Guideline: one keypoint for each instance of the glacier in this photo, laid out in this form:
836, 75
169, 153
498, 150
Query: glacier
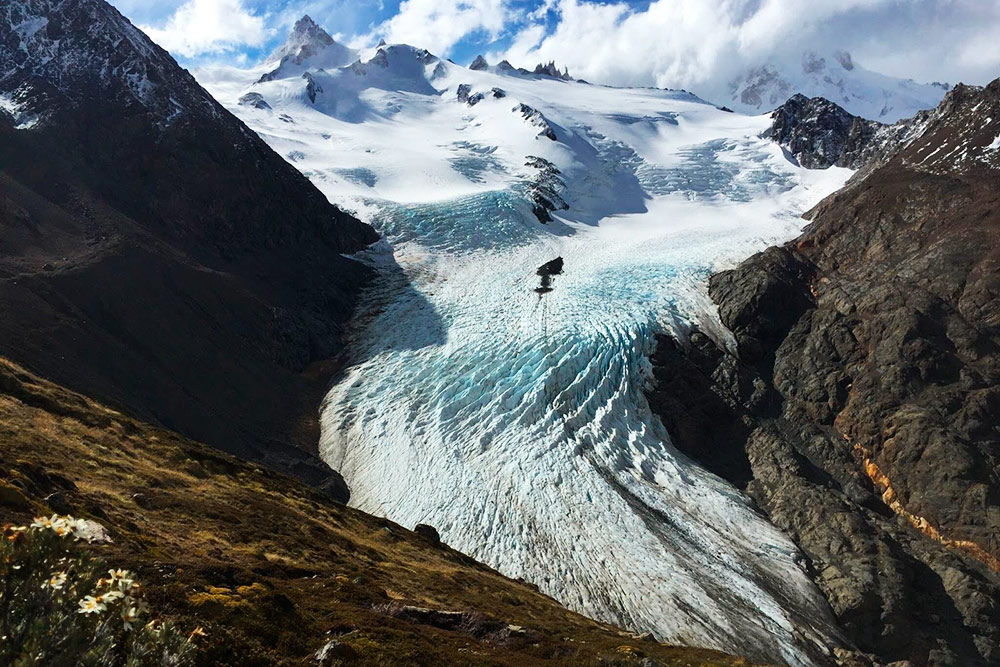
516, 423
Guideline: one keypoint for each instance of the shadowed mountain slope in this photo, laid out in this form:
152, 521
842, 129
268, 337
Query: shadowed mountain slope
155, 252
272, 569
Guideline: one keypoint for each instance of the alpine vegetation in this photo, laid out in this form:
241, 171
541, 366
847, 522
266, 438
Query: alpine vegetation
62, 605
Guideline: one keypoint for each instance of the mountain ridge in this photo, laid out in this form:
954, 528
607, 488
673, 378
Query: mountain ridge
856, 406
834, 76
160, 256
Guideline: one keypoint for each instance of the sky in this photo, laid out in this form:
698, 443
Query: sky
667, 43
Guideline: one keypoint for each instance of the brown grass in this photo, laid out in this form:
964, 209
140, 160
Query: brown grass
271, 568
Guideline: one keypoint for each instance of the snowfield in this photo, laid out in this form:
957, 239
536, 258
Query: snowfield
516, 423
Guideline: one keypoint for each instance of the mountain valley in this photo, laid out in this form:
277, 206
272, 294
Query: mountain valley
490, 352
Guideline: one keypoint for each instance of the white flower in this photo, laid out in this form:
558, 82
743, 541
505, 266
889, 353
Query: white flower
63, 527
91, 605
130, 614
56, 581
110, 596
43, 523
121, 578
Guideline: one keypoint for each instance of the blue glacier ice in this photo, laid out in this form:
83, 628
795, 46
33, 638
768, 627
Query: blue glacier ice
515, 423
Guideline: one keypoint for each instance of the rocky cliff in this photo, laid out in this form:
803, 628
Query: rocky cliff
859, 405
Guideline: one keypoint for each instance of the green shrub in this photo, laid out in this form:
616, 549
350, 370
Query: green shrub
62, 606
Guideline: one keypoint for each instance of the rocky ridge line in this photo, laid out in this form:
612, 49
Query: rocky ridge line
858, 407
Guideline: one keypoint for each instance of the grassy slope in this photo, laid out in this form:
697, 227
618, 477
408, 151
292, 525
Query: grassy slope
271, 568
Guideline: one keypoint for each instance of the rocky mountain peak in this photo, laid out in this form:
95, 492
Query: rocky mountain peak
479, 63
819, 133
63, 54
308, 46
550, 69
304, 41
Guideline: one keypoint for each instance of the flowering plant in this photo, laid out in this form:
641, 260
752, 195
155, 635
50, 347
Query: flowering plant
61, 605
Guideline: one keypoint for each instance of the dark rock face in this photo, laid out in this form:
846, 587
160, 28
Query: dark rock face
545, 190
312, 88
861, 409
479, 64
255, 100
158, 255
473, 99
428, 532
820, 134
547, 272
536, 118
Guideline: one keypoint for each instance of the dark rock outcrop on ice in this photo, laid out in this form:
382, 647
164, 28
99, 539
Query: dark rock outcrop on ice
545, 190
465, 94
547, 272
157, 254
536, 118
255, 100
860, 405
820, 134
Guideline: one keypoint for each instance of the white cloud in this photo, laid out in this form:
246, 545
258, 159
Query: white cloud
438, 25
670, 43
685, 43
200, 27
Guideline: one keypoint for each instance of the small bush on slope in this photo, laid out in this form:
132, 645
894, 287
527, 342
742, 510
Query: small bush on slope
59, 605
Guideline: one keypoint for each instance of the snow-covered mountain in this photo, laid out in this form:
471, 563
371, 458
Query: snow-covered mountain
308, 47
833, 76
514, 418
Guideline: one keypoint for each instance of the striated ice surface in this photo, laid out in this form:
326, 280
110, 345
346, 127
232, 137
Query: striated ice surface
517, 424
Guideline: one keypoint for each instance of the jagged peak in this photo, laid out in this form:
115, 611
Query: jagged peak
305, 40
308, 45
550, 69
479, 63
307, 25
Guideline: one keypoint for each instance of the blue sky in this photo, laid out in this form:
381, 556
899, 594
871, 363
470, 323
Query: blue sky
675, 43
